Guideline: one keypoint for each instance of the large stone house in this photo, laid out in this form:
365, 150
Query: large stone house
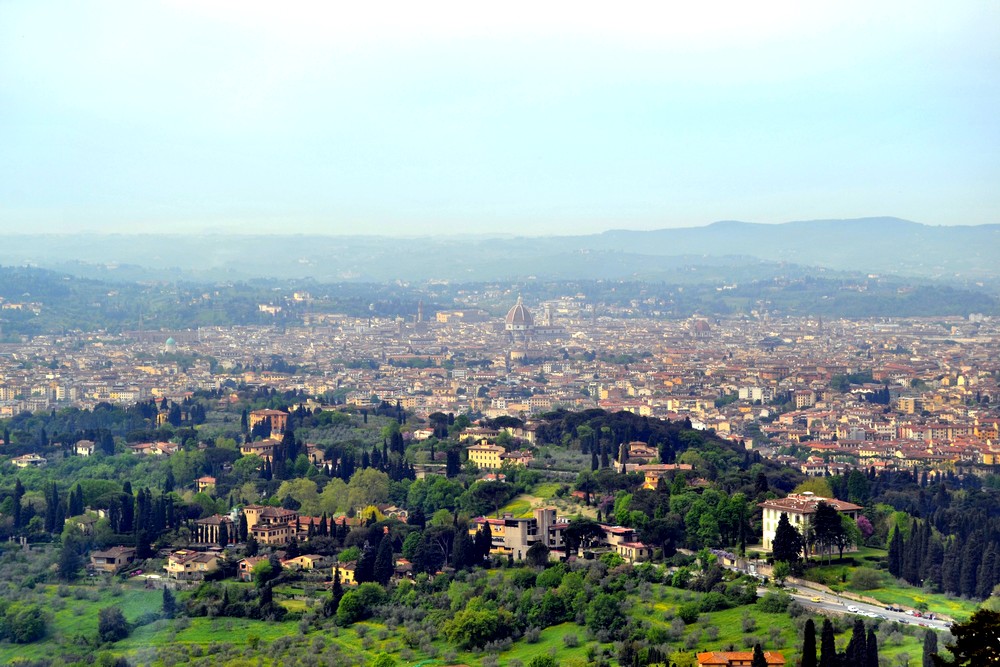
800, 508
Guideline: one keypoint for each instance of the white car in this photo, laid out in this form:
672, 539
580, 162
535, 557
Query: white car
853, 609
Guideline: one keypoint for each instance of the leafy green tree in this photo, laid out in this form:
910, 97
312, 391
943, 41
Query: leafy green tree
111, 625
70, 560
537, 555
977, 642
781, 571
23, 623
543, 661
478, 624
350, 609
828, 527
605, 613
383, 660
367, 487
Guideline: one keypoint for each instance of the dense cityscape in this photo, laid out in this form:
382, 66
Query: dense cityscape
883, 394
310, 459
452, 334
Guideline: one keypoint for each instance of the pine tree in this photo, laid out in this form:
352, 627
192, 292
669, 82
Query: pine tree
809, 645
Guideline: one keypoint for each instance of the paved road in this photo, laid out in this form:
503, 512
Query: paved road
833, 603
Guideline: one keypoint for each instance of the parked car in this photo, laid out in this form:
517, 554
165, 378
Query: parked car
853, 609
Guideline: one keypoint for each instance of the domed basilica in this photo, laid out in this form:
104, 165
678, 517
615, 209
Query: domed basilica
519, 323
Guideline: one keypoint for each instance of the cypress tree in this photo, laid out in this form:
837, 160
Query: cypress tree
758, 657
223, 534
384, 564
484, 541
984, 577
18, 509
871, 654
460, 550
828, 646
787, 544
169, 604
930, 648
857, 648
970, 565
896, 554
365, 568
809, 645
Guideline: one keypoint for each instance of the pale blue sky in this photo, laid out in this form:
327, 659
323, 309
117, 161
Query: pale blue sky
520, 117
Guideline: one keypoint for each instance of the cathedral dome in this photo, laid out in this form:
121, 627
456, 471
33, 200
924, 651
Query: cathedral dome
518, 318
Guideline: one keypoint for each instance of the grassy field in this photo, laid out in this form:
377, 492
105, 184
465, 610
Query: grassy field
909, 596
543, 494
892, 591
568, 643
75, 615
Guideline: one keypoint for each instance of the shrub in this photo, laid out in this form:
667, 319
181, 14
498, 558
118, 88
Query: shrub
775, 603
715, 602
688, 612
111, 625
866, 578
571, 640
23, 624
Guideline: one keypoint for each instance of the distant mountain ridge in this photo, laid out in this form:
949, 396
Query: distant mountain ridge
745, 250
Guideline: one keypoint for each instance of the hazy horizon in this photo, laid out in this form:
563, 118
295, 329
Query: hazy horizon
522, 120
453, 234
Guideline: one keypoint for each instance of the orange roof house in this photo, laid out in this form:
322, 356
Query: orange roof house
737, 659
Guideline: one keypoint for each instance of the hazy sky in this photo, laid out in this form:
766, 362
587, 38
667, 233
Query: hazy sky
519, 117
